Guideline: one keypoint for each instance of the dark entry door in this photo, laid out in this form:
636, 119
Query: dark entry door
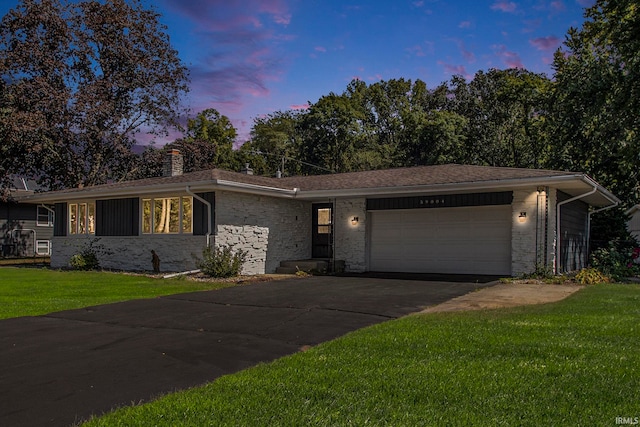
322, 235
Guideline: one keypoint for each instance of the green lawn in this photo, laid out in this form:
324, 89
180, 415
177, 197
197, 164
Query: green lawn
33, 291
576, 362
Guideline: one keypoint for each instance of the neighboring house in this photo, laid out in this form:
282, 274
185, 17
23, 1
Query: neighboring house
633, 224
26, 229
435, 219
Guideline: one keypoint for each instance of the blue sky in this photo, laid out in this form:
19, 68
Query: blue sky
253, 57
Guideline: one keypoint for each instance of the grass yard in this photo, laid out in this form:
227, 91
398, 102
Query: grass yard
34, 291
576, 362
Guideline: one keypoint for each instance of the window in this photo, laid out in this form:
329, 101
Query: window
43, 247
167, 215
45, 217
82, 218
324, 221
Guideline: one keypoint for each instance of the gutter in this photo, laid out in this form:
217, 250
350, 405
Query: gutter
258, 189
195, 196
208, 185
558, 234
615, 201
448, 187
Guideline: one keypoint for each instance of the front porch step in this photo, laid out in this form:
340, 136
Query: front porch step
308, 265
286, 270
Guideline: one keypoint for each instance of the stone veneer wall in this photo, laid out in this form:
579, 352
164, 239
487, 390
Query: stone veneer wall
528, 249
270, 229
177, 252
350, 240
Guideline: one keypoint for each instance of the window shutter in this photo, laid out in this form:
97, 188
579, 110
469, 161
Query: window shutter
60, 219
200, 214
118, 217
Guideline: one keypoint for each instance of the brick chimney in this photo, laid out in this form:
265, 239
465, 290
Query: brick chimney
173, 163
247, 170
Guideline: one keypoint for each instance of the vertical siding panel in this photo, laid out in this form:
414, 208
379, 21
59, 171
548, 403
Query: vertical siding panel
200, 213
60, 220
117, 217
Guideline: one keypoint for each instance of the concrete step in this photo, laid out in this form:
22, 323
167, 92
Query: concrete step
286, 270
306, 265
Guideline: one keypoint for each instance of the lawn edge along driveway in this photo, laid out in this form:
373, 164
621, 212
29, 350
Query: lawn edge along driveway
63, 367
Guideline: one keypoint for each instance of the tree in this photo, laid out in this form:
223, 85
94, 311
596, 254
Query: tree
595, 120
215, 134
207, 144
332, 128
505, 112
81, 79
277, 138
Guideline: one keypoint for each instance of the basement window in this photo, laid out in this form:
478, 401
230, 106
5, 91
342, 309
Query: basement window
167, 215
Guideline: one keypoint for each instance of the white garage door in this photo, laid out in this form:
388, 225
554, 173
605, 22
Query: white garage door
467, 240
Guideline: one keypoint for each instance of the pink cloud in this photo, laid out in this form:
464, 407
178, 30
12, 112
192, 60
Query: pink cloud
454, 69
504, 6
277, 9
239, 48
545, 43
304, 106
415, 50
466, 54
320, 49
464, 24
510, 59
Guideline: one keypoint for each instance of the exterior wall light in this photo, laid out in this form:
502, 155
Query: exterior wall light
522, 217
354, 220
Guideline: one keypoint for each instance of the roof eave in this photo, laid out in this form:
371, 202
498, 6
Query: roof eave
491, 185
154, 189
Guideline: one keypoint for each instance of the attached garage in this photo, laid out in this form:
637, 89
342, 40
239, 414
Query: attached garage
473, 240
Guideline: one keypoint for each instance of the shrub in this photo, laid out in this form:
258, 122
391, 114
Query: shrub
616, 260
591, 276
221, 262
87, 258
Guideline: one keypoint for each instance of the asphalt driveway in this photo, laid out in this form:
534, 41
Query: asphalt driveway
63, 367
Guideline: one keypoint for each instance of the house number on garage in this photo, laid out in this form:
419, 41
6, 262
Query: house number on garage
424, 202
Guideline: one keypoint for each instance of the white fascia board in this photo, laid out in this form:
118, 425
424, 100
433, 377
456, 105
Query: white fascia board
494, 185
257, 189
606, 193
172, 188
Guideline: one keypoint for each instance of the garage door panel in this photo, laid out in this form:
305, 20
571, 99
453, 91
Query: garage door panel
474, 240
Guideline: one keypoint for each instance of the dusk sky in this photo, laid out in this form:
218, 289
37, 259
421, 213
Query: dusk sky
253, 57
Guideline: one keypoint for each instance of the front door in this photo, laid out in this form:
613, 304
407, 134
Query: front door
322, 235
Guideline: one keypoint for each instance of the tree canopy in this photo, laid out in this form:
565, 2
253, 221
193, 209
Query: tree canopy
495, 119
79, 80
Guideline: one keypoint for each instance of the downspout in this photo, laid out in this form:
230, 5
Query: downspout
333, 236
195, 196
558, 235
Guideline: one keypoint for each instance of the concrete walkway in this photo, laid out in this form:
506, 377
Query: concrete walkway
64, 367
506, 295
